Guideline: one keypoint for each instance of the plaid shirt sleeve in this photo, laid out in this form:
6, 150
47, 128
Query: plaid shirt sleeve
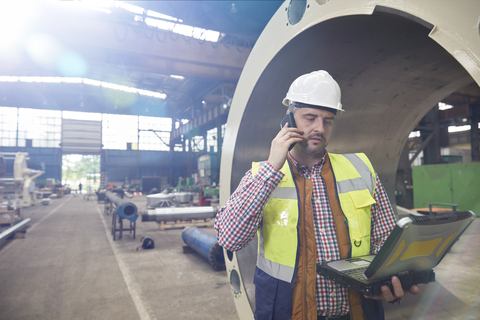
383, 217
237, 221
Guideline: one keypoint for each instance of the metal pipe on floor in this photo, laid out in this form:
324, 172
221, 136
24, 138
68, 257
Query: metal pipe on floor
206, 245
13, 229
179, 213
124, 209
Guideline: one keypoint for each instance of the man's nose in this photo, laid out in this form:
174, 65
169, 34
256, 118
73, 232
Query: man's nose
319, 127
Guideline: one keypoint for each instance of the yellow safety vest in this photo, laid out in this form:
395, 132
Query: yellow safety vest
277, 237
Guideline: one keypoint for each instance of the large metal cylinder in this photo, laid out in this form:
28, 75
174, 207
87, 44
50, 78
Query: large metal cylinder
124, 209
206, 245
179, 213
394, 61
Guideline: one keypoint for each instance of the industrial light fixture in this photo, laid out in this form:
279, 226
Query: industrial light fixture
87, 81
227, 102
174, 76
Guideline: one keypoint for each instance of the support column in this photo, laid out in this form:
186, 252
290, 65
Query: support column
431, 153
403, 184
205, 145
189, 158
474, 114
219, 145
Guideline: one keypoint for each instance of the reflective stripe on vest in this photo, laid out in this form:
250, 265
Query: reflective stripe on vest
355, 181
277, 236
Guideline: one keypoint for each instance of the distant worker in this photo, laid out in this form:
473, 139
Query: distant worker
309, 206
80, 187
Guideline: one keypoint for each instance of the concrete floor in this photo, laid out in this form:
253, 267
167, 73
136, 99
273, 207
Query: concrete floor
68, 267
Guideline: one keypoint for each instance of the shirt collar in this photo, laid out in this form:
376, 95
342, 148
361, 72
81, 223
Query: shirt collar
301, 169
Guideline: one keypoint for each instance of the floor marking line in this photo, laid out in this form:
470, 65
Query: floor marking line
30, 228
48, 215
143, 309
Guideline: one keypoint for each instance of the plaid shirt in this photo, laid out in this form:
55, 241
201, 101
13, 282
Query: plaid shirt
237, 222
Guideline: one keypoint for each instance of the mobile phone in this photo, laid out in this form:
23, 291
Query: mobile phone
291, 124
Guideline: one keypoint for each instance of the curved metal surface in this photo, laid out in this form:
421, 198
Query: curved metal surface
394, 60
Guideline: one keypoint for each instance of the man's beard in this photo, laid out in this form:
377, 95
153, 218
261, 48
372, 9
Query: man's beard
318, 149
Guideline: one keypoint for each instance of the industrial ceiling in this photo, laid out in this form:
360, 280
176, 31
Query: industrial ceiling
121, 49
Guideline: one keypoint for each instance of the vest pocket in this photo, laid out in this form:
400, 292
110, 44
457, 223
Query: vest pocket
360, 224
361, 198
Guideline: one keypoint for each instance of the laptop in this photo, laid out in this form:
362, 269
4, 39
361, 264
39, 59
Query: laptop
415, 246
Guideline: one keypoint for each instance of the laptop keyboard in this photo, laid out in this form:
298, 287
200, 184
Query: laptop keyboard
356, 273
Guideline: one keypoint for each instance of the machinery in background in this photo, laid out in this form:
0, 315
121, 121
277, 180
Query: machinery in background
208, 169
174, 199
18, 191
186, 185
10, 214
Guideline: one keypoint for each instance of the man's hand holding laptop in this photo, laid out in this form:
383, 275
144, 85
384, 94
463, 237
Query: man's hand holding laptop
397, 293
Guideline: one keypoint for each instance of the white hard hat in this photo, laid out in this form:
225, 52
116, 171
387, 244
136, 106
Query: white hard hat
317, 89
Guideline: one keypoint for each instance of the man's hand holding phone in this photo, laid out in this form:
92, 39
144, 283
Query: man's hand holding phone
284, 141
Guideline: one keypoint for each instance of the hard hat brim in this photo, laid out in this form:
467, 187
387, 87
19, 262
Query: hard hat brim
286, 102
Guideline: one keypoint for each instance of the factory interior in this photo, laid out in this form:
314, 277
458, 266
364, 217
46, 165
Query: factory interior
126, 125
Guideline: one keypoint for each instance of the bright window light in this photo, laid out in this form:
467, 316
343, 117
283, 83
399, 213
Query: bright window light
161, 16
460, 128
414, 134
118, 130
188, 31
42, 127
212, 140
13, 18
129, 7
75, 115
197, 144
444, 106
181, 122
91, 82
157, 20
102, 10
8, 127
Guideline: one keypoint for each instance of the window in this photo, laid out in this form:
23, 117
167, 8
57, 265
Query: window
42, 127
8, 127
197, 144
154, 133
212, 140
118, 130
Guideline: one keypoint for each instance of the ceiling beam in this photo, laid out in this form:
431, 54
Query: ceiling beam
101, 38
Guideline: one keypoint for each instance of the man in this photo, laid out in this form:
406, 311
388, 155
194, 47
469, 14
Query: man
309, 206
